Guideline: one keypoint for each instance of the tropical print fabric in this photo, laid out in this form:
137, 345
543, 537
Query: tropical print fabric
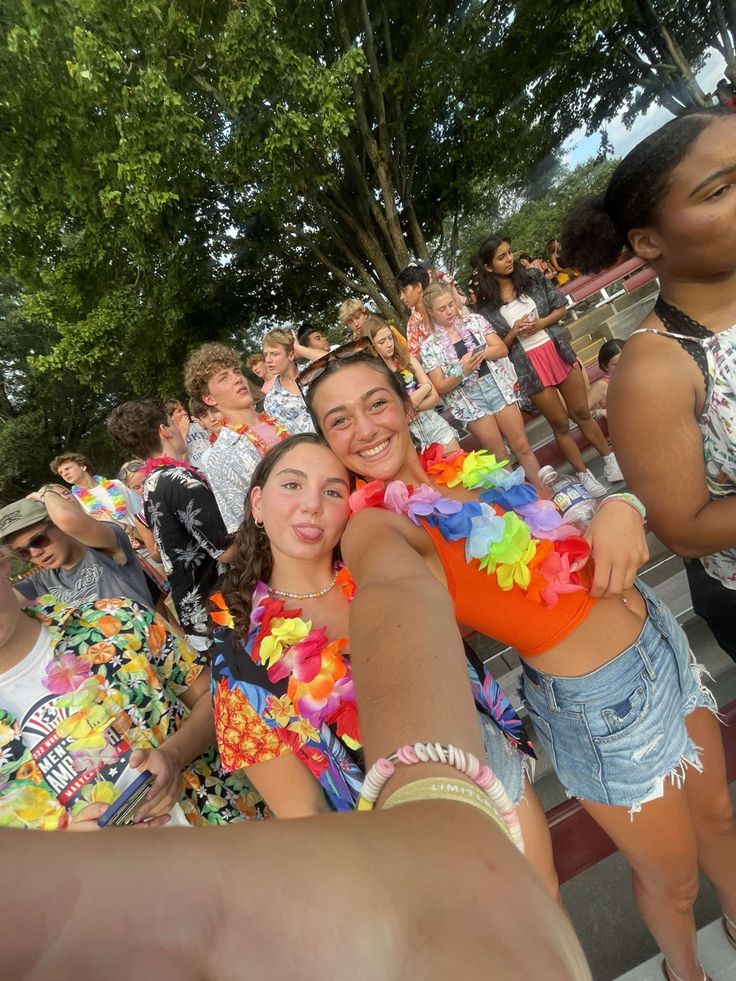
288, 409
287, 689
113, 683
718, 429
232, 459
438, 352
189, 532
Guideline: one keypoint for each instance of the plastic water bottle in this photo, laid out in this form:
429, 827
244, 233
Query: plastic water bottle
571, 499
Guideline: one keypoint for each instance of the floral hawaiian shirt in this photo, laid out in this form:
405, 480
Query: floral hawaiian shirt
111, 683
230, 465
288, 409
439, 352
287, 690
417, 331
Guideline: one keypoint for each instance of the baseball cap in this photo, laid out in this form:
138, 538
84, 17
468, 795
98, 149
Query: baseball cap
22, 514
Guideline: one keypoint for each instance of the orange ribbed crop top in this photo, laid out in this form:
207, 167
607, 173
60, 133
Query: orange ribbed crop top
508, 616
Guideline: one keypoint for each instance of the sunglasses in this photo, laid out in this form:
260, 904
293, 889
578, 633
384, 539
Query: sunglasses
313, 371
129, 469
41, 540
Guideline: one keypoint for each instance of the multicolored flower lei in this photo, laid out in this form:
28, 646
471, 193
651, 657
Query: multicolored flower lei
154, 462
117, 506
320, 682
242, 429
510, 531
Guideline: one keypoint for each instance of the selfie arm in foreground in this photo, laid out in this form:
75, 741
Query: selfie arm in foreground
430, 890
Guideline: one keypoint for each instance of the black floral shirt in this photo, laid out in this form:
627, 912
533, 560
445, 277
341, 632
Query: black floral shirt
547, 298
190, 535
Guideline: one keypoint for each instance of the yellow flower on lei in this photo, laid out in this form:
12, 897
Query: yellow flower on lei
101, 792
283, 632
476, 467
509, 558
27, 806
8, 733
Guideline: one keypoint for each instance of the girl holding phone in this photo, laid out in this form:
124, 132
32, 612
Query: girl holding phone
468, 364
525, 309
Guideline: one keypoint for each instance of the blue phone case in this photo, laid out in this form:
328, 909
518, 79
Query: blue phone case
143, 780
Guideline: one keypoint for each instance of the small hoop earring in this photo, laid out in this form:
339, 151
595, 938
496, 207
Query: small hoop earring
259, 524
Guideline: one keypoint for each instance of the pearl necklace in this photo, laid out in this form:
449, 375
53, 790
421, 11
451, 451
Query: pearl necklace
303, 596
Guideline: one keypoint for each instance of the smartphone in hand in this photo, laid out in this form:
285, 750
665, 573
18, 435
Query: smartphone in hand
124, 809
478, 349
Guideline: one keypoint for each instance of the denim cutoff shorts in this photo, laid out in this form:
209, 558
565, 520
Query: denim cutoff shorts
487, 396
429, 427
614, 736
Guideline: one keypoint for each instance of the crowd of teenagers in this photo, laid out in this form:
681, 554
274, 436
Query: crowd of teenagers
258, 619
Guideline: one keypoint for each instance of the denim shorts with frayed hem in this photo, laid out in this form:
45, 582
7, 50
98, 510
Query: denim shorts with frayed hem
617, 735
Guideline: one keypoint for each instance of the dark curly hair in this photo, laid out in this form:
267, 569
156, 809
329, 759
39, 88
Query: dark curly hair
488, 293
135, 426
597, 229
253, 562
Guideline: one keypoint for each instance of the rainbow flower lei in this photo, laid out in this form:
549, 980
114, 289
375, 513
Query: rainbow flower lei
510, 532
117, 506
320, 682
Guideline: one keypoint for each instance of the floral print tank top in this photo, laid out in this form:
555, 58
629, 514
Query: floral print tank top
718, 428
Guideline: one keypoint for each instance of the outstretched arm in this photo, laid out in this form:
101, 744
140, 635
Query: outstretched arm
435, 888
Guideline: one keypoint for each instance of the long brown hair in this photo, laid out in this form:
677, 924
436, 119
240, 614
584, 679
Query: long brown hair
253, 562
371, 326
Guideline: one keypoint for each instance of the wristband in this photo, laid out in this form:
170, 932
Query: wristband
383, 769
431, 788
631, 499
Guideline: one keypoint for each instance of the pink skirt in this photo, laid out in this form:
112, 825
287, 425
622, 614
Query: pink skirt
548, 364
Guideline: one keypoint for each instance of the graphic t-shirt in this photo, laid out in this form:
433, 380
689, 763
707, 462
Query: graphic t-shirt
198, 440
104, 679
79, 755
97, 575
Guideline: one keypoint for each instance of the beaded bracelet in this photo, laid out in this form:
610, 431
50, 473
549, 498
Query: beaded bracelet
630, 499
383, 769
429, 788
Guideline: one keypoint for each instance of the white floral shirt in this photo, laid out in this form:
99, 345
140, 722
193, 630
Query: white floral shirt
229, 467
288, 409
439, 352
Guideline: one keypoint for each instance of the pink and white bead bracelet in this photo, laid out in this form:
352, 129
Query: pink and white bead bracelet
383, 769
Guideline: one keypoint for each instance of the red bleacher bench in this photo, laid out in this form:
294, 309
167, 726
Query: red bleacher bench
594, 284
635, 282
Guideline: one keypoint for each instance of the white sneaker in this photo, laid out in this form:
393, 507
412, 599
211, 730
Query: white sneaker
592, 486
611, 469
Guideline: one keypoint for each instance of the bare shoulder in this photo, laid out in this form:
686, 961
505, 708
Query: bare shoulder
373, 528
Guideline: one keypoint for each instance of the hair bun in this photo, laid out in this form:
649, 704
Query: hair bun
590, 240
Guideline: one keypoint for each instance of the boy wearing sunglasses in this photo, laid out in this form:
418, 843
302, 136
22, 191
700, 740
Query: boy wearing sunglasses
79, 559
